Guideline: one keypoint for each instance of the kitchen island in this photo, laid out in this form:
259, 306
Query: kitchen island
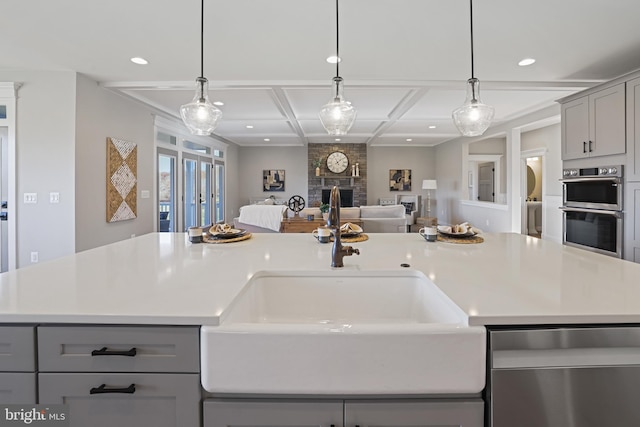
161, 278
155, 292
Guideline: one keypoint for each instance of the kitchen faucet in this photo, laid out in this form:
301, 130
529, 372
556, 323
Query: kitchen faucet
338, 252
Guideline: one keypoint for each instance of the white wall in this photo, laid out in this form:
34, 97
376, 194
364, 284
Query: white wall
101, 114
45, 141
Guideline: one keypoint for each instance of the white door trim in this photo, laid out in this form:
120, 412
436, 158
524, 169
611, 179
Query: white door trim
8, 95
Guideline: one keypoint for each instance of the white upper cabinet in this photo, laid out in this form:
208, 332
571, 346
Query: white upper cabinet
594, 125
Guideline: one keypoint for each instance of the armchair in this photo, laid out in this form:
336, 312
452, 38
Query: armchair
411, 203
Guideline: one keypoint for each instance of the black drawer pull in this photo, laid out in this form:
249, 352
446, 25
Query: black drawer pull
584, 146
103, 389
590, 150
104, 352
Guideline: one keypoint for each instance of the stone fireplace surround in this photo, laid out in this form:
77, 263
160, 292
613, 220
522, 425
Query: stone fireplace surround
357, 153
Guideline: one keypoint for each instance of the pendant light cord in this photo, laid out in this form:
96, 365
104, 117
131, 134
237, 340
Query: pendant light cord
337, 41
471, 19
202, 38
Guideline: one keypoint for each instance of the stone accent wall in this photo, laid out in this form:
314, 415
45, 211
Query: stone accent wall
356, 153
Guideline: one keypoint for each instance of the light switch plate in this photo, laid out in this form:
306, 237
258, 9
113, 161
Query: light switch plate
31, 197
54, 197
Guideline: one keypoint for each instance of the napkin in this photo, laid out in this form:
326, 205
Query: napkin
220, 228
348, 227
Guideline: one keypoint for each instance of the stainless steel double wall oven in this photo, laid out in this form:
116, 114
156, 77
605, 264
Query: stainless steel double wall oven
592, 209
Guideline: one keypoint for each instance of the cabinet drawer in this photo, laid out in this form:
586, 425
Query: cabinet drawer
118, 349
17, 348
17, 387
159, 400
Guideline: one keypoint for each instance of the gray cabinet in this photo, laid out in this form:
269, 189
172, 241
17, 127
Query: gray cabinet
347, 413
272, 412
594, 125
631, 244
632, 167
415, 413
17, 364
124, 376
124, 400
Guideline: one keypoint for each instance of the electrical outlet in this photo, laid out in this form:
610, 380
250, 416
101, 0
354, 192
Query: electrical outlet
133, 235
34, 257
487, 223
145, 194
31, 197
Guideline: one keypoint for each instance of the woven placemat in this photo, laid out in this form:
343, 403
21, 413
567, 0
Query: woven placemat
207, 239
461, 240
355, 239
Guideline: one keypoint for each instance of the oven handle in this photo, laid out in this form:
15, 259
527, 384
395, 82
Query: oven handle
615, 179
617, 214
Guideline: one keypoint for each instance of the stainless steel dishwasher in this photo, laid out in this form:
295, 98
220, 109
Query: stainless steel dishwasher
564, 377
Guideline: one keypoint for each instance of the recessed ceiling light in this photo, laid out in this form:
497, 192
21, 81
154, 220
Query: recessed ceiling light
333, 59
409, 140
526, 61
139, 61
218, 103
267, 139
432, 127
249, 127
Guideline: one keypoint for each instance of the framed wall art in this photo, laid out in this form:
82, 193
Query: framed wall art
273, 180
399, 179
122, 180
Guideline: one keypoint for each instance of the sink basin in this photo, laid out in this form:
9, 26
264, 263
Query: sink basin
343, 332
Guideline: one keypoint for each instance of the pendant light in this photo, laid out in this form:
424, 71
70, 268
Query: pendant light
338, 115
473, 117
200, 115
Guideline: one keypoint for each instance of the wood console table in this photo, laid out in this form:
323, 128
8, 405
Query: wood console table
303, 225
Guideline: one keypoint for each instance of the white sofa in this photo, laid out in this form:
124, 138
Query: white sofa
375, 219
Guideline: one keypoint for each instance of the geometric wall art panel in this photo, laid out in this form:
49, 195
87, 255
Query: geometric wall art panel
122, 180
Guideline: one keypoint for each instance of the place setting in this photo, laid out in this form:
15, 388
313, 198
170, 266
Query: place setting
463, 233
349, 233
224, 233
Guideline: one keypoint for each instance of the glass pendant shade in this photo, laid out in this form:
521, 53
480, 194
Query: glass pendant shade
338, 115
200, 115
473, 117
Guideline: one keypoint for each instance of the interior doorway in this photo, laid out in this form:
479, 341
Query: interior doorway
532, 190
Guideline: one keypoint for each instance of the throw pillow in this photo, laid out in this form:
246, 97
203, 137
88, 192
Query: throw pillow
408, 207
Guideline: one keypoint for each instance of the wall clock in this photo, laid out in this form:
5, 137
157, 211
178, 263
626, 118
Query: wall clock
337, 162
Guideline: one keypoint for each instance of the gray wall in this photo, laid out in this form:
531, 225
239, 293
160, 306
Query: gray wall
101, 114
45, 141
252, 160
421, 161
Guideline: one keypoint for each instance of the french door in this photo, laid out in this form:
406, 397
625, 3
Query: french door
198, 196
167, 194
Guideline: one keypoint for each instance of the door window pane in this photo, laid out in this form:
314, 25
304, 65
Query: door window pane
166, 192
219, 191
190, 193
205, 193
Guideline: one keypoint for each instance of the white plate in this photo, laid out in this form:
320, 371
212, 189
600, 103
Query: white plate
443, 230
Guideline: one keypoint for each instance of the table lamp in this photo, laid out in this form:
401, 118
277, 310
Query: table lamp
429, 184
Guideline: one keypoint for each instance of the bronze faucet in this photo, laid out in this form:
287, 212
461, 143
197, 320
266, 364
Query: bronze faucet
338, 252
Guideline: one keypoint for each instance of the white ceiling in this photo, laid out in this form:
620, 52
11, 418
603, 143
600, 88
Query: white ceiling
405, 62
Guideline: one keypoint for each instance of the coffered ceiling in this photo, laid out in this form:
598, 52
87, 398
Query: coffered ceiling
405, 62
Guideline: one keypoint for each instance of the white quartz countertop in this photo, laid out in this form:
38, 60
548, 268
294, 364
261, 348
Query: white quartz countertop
161, 278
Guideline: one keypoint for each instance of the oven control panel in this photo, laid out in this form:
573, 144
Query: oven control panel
615, 171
